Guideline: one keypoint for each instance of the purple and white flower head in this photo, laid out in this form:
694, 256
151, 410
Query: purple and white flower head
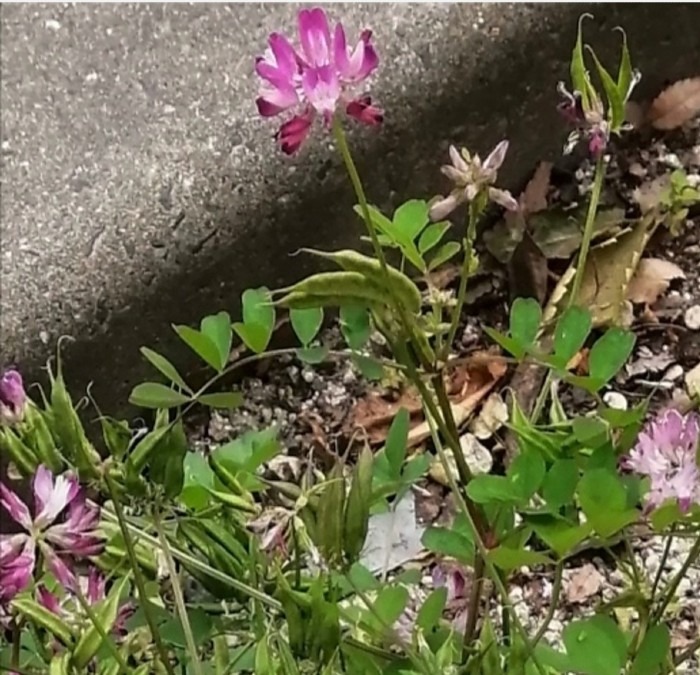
666, 452
472, 177
62, 527
315, 80
13, 398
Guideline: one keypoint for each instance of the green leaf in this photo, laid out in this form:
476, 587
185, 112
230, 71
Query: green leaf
525, 317
653, 652
165, 367
609, 354
389, 604
217, 328
106, 613
511, 558
430, 612
156, 395
508, 343
257, 307
666, 515
41, 616
625, 74
255, 336
449, 542
355, 325
616, 103
378, 219
202, 345
306, 323
432, 236
579, 77
560, 482
591, 432
486, 488
526, 473
168, 460
410, 218
198, 476
370, 368
573, 327
222, 399
595, 646
312, 355
560, 535
362, 579
443, 254
603, 499
396, 441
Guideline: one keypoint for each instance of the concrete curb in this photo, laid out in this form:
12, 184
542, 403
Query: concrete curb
139, 188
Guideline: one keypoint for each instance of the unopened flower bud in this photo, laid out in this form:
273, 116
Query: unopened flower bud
13, 398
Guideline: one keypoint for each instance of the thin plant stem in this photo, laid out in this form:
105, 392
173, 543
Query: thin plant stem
106, 639
16, 644
672, 586
662, 564
687, 653
554, 601
588, 229
138, 576
482, 549
468, 243
179, 596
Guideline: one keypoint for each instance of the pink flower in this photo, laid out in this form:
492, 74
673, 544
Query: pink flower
472, 177
17, 559
93, 588
57, 540
590, 124
316, 80
666, 452
13, 398
457, 584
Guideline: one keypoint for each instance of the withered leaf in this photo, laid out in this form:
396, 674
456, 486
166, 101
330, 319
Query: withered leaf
676, 105
468, 383
609, 269
558, 233
528, 271
583, 583
534, 196
652, 278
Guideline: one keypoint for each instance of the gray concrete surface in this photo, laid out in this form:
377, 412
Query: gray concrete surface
139, 188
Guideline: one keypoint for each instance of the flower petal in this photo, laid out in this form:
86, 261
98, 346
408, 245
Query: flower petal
363, 111
504, 198
58, 568
322, 89
315, 36
61, 493
443, 207
458, 162
48, 600
494, 161
15, 507
293, 133
360, 63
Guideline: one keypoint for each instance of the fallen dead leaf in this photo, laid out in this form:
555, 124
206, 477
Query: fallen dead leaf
492, 416
583, 583
534, 196
609, 269
528, 271
652, 278
444, 275
676, 105
468, 382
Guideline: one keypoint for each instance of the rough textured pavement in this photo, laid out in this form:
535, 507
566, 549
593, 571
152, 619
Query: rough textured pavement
139, 188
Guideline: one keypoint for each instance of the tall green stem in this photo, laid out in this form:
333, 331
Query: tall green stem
468, 242
588, 230
138, 576
195, 663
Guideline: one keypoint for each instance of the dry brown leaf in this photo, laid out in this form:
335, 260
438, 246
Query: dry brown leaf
534, 196
583, 583
469, 382
444, 275
652, 278
676, 105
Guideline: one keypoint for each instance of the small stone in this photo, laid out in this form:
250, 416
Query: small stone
52, 24
308, 375
692, 317
671, 159
614, 399
674, 373
636, 169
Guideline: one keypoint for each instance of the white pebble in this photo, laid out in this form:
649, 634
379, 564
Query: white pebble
52, 24
672, 160
692, 317
615, 399
674, 373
